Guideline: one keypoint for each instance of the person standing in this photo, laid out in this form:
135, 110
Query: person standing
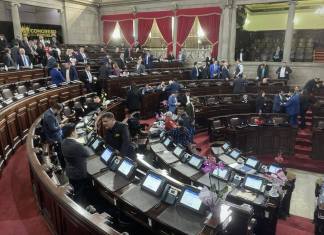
260, 103
239, 69
278, 100
283, 72
293, 108
173, 102
195, 71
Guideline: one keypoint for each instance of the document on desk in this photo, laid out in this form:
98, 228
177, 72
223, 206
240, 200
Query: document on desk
249, 196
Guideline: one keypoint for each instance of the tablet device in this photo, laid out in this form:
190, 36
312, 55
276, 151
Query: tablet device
126, 168
189, 198
225, 146
274, 169
166, 142
253, 183
196, 161
95, 143
235, 154
107, 156
153, 183
178, 151
221, 173
252, 162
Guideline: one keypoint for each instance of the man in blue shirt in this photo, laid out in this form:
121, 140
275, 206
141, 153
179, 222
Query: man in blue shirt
173, 102
56, 75
181, 135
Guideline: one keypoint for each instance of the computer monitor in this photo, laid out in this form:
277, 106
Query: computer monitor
253, 183
95, 144
225, 146
126, 168
221, 173
235, 154
196, 161
167, 142
153, 183
178, 151
107, 156
252, 162
274, 169
189, 199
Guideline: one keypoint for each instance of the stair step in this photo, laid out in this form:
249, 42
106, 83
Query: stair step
303, 141
302, 156
309, 112
307, 150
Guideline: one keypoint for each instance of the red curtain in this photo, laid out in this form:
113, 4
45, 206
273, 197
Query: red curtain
184, 27
144, 29
108, 29
210, 25
165, 27
126, 26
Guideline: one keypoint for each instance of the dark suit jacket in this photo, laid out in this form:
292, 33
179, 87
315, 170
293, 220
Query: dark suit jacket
292, 105
288, 71
51, 127
73, 73
225, 73
3, 44
121, 64
310, 85
148, 61
140, 69
21, 62
57, 77
104, 71
8, 61
259, 104
80, 58
15, 53
84, 77
276, 106
238, 86
266, 72
75, 156
194, 73
133, 100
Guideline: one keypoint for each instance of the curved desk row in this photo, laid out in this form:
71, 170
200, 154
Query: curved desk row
12, 76
16, 118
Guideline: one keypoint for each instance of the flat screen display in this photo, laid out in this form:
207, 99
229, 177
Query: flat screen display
125, 167
152, 182
253, 182
225, 146
274, 169
251, 162
235, 154
194, 161
167, 141
177, 151
89, 135
95, 144
161, 134
106, 155
220, 173
191, 199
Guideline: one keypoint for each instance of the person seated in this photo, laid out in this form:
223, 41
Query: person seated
133, 100
7, 59
69, 72
195, 71
56, 75
262, 71
87, 78
169, 123
140, 68
75, 157
117, 135
121, 62
173, 86
116, 70
181, 135
23, 60
161, 86
94, 104
81, 56
147, 89
170, 57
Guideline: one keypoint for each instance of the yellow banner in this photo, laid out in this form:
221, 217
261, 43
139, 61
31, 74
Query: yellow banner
32, 32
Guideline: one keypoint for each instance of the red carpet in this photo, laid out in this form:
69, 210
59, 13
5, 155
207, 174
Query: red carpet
295, 225
18, 211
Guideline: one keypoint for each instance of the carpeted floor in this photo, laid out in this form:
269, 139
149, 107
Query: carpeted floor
18, 211
19, 214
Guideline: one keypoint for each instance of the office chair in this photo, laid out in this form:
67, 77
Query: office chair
36, 85
7, 94
320, 125
21, 89
234, 122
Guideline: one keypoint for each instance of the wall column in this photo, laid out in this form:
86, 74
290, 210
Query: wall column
15, 19
175, 30
63, 24
220, 36
225, 32
289, 30
233, 34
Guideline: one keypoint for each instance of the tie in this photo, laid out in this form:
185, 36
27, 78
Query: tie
89, 76
68, 75
25, 61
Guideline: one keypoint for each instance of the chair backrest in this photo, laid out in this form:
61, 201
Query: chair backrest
36, 85
77, 105
22, 89
7, 94
320, 125
217, 123
67, 111
234, 121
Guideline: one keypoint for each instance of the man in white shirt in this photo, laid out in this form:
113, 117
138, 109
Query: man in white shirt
23, 59
87, 78
239, 69
283, 72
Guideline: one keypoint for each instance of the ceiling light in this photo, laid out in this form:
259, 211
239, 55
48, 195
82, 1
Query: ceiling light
320, 11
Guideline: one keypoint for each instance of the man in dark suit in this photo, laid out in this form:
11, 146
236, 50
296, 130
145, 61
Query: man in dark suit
51, 62
278, 100
293, 108
133, 99
7, 60
23, 59
3, 42
81, 56
283, 72
195, 71
56, 75
260, 103
140, 68
121, 62
263, 71
69, 72
15, 52
238, 85
87, 78
51, 127
148, 60
311, 85
104, 72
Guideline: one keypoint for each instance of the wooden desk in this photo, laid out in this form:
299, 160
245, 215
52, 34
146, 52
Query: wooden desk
21, 75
